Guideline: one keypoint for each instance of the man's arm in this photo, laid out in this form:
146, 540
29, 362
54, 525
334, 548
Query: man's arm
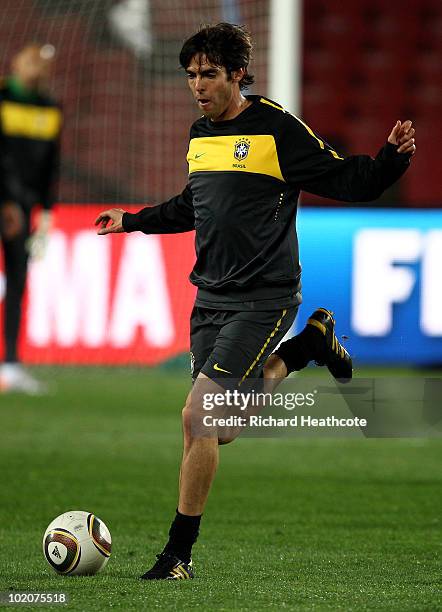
314, 166
172, 217
49, 176
38, 241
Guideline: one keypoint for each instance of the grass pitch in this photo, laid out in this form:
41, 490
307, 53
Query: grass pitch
296, 524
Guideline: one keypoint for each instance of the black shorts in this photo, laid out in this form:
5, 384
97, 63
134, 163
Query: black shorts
234, 345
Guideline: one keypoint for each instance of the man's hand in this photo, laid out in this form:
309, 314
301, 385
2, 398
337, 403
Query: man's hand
37, 243
115, 217
402, 135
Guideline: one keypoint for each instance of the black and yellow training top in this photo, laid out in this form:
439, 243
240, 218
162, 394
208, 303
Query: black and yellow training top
30, 125
245, 176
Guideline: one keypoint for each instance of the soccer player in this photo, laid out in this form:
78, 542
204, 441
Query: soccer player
30, 124
248, 160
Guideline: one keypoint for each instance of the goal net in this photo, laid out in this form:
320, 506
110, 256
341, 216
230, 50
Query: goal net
127, 110
127, 113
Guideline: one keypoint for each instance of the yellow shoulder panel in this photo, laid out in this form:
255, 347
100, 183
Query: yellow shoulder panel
309, 130
29, 121
313, 135
246, 153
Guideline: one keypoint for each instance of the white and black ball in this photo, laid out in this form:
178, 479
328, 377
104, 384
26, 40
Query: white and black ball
77, 543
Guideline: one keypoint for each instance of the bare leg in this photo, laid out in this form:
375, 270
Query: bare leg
197, 473
186, 434
274, 371
200, 455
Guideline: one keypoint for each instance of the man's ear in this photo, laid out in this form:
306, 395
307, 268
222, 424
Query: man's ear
238, 75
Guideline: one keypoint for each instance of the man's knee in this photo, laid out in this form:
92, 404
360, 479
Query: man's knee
194, 411
187, 417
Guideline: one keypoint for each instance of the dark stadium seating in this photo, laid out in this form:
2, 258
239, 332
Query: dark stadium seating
367, 64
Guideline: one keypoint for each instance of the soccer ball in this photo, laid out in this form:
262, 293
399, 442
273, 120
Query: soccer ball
77, 543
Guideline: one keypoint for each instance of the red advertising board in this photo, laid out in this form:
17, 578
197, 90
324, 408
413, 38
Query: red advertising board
117, 299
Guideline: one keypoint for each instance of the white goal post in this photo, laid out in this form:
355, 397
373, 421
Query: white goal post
285, 48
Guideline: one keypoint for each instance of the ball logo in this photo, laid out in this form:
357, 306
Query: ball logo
57, 552
242, 147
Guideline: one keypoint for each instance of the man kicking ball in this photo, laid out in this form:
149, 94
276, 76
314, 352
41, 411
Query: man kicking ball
248, 160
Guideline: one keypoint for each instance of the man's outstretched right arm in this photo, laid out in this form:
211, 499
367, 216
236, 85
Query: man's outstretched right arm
172, 217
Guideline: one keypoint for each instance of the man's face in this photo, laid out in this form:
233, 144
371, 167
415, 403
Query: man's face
32, 67
210, 86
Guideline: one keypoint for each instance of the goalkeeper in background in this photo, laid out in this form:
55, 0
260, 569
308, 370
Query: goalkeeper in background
30, 123
248, 160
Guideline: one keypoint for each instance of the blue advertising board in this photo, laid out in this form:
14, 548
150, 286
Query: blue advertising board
380, 271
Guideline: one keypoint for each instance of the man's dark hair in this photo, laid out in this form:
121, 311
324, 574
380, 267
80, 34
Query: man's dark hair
225, 45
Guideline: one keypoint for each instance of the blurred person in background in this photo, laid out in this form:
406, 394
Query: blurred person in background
30, 123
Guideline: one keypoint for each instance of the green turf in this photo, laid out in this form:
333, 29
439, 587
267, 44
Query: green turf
296, 524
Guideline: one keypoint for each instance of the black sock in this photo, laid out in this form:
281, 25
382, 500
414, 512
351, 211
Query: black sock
299, 350
182, 536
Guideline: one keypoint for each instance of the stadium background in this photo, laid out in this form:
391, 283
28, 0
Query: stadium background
127, 112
